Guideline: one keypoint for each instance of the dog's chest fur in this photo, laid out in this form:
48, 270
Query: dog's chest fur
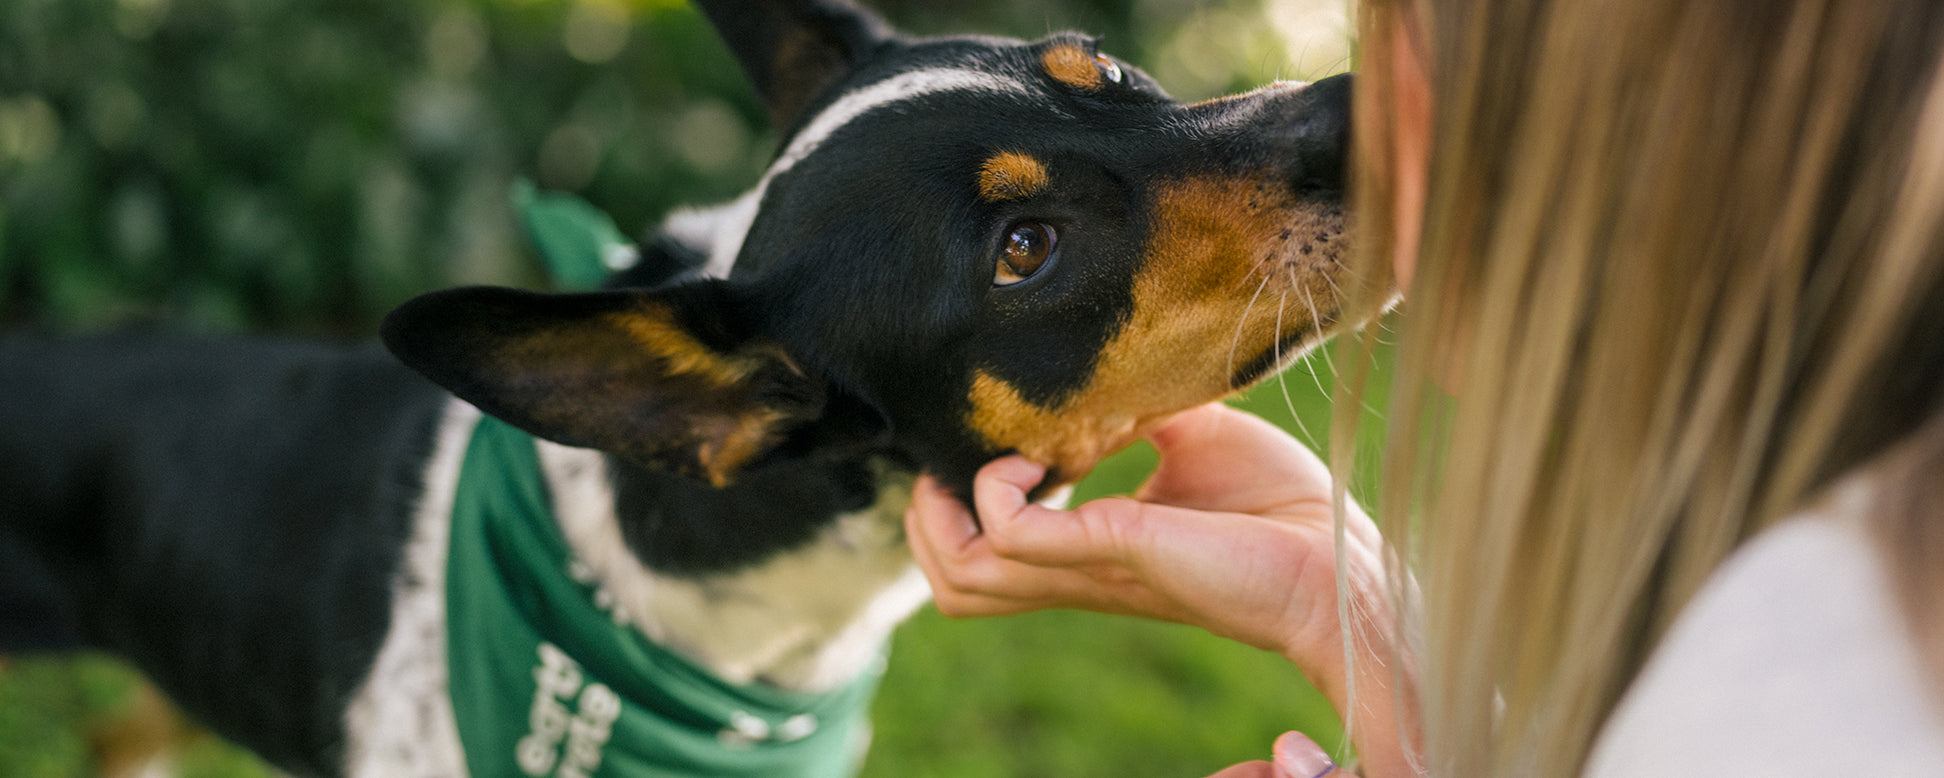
808, 619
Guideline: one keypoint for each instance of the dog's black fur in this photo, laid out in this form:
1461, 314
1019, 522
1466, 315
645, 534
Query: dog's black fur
227, 516
230, 515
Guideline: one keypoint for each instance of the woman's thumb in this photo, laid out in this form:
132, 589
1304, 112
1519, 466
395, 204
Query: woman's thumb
1297, 756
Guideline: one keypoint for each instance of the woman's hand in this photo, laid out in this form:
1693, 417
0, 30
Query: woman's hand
1233, 533
1296, 757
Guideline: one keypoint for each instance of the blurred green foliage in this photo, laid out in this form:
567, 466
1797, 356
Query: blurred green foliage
308, 164
305, 165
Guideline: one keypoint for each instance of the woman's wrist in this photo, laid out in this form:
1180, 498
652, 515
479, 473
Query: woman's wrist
1363, 667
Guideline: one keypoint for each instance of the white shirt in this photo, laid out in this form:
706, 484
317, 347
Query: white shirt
1793, 660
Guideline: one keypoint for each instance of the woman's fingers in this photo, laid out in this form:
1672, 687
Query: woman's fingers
1096, 533
1216, 458
971, 577
1219, 459
954, 554
1297, 756
946, 521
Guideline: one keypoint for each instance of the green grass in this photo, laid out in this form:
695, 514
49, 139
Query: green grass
1073, 694
49, 707
1046, 694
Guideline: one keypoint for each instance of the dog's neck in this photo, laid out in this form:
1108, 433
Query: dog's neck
808, 614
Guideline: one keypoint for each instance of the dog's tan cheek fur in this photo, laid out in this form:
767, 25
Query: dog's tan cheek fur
1197, 317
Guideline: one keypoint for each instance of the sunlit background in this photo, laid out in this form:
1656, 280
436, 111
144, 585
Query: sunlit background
305, 165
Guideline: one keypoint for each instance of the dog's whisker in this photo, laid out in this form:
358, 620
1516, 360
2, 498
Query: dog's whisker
1282, 376
1316, 321
1235, 340
1335, 289
1330, 363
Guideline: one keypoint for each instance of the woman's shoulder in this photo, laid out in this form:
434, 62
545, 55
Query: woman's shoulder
1794, 659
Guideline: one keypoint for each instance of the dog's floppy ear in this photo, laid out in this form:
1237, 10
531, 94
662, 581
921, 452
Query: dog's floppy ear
792, 50
654, 377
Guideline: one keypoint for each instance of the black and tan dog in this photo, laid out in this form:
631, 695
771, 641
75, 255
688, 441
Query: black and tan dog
672, 543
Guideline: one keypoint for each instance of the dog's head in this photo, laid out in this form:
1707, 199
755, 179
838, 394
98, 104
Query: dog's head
965, 247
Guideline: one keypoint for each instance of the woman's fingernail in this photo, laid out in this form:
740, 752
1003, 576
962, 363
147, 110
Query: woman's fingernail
1299, 757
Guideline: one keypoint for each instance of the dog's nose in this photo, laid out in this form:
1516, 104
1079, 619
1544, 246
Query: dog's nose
1312, 127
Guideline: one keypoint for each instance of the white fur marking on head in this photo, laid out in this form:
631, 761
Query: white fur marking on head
400, 720
898, 88
729, 224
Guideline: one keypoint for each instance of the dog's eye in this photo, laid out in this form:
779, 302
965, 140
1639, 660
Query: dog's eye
1108, 68
1028, 244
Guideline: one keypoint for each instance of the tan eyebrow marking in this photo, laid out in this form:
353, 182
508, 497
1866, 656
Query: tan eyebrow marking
1071, 65
1010, 175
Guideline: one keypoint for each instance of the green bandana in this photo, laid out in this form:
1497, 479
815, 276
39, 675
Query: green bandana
578, 242
544, 682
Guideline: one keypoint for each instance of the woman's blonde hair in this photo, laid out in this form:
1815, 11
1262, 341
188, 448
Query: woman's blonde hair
1682, 264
